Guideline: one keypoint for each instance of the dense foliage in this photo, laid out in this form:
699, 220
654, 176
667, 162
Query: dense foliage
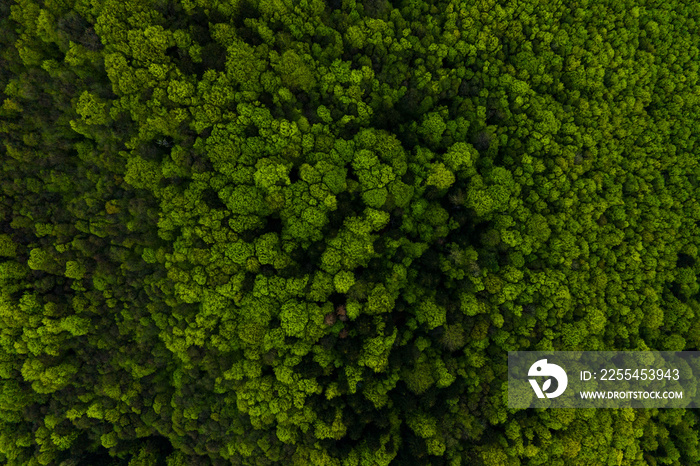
261, 232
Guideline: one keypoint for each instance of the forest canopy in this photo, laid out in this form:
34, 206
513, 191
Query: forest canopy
305, 232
